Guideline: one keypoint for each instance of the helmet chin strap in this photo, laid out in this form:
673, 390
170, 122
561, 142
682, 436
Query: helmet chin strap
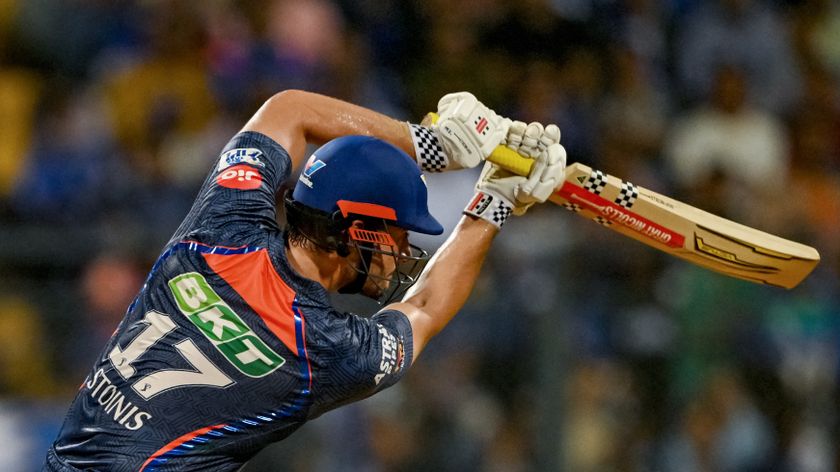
361, 277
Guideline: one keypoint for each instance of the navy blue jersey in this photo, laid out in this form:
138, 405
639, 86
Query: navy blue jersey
225, 349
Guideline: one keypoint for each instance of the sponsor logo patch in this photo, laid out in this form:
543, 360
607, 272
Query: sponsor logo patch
240, 177
393, 354
225, 329
240, 156
312, 165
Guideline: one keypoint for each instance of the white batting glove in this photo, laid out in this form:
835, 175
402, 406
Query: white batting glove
464, 133
500, 193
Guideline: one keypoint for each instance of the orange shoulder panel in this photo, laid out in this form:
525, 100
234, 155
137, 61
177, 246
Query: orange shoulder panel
253, 277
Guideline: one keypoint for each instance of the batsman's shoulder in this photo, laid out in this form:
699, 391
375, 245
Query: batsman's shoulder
256, 150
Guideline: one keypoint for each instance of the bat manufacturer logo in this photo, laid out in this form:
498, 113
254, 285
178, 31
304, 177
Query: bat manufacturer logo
240, 177
706, 248
613, 212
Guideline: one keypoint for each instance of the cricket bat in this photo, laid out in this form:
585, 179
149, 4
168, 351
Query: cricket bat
675, 227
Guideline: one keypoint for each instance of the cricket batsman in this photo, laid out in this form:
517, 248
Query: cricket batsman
232, 344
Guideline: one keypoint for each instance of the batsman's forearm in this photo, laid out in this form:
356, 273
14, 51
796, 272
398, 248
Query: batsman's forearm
328, 118
295, 118
448, 279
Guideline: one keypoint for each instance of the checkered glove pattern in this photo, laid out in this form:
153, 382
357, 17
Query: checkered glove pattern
427, 148
489, 207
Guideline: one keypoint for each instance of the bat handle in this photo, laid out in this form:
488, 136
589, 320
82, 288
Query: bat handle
511, 161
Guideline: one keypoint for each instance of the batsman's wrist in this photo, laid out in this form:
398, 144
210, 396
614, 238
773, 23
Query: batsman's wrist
427, 149
489, 207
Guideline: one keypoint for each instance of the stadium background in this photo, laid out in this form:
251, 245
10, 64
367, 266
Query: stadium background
580, 350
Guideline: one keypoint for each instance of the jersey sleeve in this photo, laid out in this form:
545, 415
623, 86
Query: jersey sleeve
392, 347
376, 352
238, 195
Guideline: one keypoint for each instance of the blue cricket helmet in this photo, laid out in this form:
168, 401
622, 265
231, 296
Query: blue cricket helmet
366, 176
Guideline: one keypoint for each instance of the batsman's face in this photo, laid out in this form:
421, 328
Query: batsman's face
383, 264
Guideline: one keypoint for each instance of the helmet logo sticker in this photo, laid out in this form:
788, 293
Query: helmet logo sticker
312, 165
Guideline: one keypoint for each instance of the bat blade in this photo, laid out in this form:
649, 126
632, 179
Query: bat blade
677, 228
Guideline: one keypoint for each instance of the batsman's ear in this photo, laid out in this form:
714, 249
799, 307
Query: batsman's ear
341, 249
339, 243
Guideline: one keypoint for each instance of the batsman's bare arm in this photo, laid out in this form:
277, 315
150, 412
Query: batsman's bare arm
447, 281
295, 118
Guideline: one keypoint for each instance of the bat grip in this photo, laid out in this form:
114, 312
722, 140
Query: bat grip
511, 161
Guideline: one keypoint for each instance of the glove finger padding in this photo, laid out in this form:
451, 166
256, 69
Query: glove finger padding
515, 134
531, 140
546, 175
551, 136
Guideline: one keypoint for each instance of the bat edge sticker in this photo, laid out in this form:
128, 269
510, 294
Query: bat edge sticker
619, 214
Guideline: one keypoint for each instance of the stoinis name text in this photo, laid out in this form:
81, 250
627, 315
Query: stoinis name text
114, 403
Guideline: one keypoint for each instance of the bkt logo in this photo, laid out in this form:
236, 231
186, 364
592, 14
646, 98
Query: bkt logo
240, 177
240, 156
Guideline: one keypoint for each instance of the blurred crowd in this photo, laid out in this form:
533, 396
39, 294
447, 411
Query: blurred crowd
580, 350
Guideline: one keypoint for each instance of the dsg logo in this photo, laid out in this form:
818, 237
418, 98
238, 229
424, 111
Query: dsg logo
240, 177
